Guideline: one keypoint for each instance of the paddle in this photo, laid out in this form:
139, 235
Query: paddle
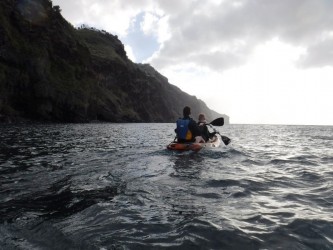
225, 139
218, 122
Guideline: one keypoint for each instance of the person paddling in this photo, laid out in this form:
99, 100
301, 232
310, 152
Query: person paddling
187, 129
202, 123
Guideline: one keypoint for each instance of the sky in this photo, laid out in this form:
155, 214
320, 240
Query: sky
257, 61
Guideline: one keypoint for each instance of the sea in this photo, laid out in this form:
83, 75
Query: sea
116, 186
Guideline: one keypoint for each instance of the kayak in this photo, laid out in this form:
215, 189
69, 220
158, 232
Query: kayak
212, 143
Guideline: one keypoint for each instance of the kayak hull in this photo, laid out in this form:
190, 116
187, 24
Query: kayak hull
213, 143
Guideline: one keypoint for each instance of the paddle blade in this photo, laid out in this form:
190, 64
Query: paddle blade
218, 122
225, 140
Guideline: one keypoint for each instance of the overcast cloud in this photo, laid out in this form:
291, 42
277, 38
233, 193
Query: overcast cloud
215, 34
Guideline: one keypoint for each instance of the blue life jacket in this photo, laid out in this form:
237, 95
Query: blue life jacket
182, 129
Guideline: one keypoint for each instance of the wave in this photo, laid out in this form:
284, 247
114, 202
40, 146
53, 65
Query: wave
300, 234
292, 161
58, 200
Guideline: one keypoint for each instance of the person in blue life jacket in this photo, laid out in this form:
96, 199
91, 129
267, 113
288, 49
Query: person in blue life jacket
187, 129
202, 123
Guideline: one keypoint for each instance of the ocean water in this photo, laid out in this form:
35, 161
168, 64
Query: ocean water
116, 186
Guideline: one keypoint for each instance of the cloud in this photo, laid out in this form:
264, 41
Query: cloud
141, 37
319, 54
130, 53
233, 29
218, 34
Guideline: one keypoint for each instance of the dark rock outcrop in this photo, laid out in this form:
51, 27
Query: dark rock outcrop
50, 71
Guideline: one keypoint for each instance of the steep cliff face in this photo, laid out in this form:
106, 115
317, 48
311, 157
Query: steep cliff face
51, 71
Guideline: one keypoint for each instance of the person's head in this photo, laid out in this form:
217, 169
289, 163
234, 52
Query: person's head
202, 118
186, 111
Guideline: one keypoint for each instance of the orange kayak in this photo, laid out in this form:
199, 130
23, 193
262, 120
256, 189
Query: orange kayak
213, 143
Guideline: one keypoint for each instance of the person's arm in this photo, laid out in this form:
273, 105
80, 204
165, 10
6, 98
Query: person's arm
193, 126
196, 132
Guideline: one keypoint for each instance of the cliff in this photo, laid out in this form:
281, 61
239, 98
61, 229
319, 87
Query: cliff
50, 71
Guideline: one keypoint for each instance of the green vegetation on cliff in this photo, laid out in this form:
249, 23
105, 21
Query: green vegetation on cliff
50, 71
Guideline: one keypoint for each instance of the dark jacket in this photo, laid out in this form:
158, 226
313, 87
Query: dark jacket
204, 130
206, 135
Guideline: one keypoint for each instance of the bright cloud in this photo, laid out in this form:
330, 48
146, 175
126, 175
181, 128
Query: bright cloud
235, 29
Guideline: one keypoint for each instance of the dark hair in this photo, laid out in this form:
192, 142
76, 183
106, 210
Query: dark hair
186, 111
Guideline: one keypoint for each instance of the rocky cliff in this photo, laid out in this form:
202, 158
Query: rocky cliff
50, 71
